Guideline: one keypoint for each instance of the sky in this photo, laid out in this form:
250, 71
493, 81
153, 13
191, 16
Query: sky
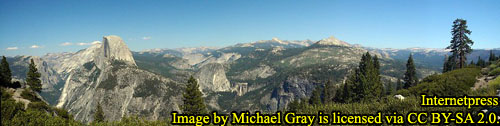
38, 27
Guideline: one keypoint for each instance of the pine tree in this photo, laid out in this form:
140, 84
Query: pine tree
364, 83
451, 63
480, 62
294, 105
460, 43
5, 73
339, 94
193, 101
328, 92
376, 63
316, 96
399, 84
410, 77
492, 56
99, 114
472, 62
33, 77
390, 88
445, 65
378, 87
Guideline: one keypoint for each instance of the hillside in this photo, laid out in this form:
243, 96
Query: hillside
264, 75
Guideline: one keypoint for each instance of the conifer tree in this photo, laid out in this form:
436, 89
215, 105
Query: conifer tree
445, 65
390, 88
193, 101
5, 73
339, 94
460, 43
33, 77
410, 76
99, 114
328, 92
399, 84
376, 62
472, 62
451, 64
294, 105
316, 96
378, 88
364, 83
492, 56
480, 62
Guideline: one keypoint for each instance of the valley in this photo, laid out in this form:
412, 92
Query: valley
260, 76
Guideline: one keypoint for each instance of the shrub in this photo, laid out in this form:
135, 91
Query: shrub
39, 118
62, 113
492, 66
10, 108
495, 82
5, 95
30, 95
453, 83
15, 85
42, 106
494, 72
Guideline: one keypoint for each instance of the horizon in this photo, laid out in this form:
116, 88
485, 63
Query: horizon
41, 27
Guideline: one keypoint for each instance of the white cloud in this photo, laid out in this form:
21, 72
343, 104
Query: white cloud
96, 42
146, 38
89, 43
11, 48
35, 46
80, 43
66, 44
83, 44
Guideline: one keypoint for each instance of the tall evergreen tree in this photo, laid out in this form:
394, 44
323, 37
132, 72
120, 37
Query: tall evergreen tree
390, 88
472, 62
446, 67
451, 63
5, 73
480, 62
376, 62
364, 83
460, 43
99, 114
376, 88
492, 56
316, 96
294, 105
33, 77
399, 84
328, 92
339, 94
193, 101
410, 77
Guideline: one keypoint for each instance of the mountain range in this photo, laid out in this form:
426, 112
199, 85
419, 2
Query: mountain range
263, 75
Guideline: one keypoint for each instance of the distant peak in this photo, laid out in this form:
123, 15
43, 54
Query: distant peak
332, 41
276, 39
114, 48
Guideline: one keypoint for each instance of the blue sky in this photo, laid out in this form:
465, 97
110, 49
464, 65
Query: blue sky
181, 23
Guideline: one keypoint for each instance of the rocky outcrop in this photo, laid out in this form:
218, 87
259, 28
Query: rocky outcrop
110, 77
212, 77
51, 80
332, 41
113, 48
121, 90
263, 71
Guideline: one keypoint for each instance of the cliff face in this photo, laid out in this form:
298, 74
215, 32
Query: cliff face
113, 48
212, 77
112, 79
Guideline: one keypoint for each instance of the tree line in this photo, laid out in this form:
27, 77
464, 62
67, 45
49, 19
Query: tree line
364, 85
32, 76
